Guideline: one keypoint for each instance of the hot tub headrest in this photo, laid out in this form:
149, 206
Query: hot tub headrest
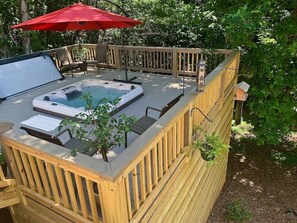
73, 94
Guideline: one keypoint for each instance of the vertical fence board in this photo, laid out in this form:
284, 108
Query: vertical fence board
160, 158
127, 187
44, 178
92, 200
62, 187
29, 174
155, 165
142, 180
148, 172
20, 167
36, 174
81, 195
135, 189
71, 190
53, 183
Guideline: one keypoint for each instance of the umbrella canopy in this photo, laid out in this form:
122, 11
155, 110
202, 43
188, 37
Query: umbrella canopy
78, 17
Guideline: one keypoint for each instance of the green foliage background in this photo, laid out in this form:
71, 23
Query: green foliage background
265, 31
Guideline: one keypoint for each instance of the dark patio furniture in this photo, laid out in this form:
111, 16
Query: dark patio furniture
143, 123
72, 143
101, 56
66, 61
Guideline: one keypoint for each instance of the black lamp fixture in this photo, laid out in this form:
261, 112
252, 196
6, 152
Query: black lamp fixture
200, 71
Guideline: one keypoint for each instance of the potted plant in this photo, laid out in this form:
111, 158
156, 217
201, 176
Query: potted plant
97, 128
209, 144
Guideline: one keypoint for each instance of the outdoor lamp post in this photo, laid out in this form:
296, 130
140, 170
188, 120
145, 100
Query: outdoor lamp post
201, 69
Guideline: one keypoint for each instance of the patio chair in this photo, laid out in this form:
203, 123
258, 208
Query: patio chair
101, 56
143, 123
66, 61
72, 143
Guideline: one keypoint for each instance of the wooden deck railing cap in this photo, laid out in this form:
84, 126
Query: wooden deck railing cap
5, 126
33, 145
130, 155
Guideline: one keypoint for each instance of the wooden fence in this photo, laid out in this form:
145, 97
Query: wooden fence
167, 60
156, 179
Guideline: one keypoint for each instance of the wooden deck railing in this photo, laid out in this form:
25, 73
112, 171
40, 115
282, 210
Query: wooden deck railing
150, 180
8, 194
168, 60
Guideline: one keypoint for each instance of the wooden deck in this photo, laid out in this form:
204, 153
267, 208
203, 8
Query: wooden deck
158, 90
153, 180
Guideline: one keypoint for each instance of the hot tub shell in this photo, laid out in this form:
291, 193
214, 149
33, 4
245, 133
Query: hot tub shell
44, 103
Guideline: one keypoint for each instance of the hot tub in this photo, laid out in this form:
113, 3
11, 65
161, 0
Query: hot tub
68, 101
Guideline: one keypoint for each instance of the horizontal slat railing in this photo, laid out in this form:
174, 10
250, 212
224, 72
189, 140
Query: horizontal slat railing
163, 143
118, 191
156, 211
168, 60
63, 182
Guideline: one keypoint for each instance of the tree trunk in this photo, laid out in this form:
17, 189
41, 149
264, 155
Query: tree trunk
104, 156
26, 41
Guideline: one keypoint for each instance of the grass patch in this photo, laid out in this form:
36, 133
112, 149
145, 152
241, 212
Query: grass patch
238, 211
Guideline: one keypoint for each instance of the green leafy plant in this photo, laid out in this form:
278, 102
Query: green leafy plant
238, 211
285, 158
80, 53
209, 144
97, 128
243, 130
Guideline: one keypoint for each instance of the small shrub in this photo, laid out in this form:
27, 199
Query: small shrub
238, 211
243, 130
285, 158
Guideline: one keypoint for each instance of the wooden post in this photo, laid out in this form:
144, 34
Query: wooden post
222, 89
238, 112
117, 56
114, 201
188, 127
174, 62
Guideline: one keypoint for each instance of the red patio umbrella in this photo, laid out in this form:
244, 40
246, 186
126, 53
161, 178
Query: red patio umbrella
80, 17
77, 17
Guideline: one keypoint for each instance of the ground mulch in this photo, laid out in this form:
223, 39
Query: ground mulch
269, 189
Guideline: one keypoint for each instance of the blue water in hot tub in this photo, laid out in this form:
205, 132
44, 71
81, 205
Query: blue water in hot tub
97, 92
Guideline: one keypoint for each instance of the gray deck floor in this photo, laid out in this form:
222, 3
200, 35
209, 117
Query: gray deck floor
158, 90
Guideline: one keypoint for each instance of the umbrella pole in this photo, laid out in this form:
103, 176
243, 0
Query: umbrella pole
127, 80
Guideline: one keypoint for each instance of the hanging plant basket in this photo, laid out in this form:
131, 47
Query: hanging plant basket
210, 145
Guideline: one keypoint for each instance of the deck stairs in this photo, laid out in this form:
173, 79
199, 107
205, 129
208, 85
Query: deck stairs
8, 193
